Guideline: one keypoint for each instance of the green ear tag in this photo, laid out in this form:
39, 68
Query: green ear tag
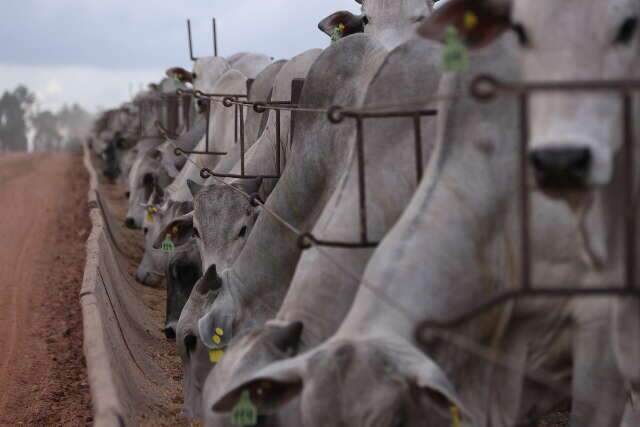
337, 33
167, 245
456, 57
244, 413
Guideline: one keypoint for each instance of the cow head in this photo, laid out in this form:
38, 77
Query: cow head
183, 272
248, 353
194, 354
143, 179
392, 22
221, 222
574, 137
347, 382
158, 214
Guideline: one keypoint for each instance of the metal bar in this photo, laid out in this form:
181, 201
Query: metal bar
278, 142
307, 240
630, 214
178, 151
186, 111
200, 94
193, 58
296, 92
173, 114
208, 126
525, 246
389, 114
241, 109
417, 131
362, 196
235, 124
250, 83
215, 37
206, 173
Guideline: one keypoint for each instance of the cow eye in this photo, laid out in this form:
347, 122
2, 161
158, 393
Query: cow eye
521, 32
196, 233
243, 231
627, 30
365, 20
146, 230
127, 194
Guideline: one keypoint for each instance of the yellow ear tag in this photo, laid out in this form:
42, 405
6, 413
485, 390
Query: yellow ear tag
219, 331
175, 230
149, 215
338, 32
455, 416
215, 355
470, 20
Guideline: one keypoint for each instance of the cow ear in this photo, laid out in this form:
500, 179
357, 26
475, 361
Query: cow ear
478, 22
352, 23
180, 74
180, 230
430, 379
270, 388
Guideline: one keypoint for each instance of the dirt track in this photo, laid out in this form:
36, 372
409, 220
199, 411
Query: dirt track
43, 228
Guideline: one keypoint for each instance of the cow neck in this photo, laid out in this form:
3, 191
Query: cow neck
315, 164
389, 143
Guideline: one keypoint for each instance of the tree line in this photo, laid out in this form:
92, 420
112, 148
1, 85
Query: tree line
21, 121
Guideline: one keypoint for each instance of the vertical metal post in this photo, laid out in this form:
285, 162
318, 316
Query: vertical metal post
249, 86
193, 58
215, 38
417, 131
186, 111
235, 123
525, 278
364, 238
241, 109
173, 113
278, 142
630, 206
296, 92
208, 125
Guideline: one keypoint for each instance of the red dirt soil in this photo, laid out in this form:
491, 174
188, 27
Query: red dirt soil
44, 224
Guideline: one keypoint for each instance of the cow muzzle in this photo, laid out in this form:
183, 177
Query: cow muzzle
561, 168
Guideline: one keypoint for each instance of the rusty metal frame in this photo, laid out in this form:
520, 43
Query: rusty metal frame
485, 89
259, 107
148, 105
215, 39
337, 115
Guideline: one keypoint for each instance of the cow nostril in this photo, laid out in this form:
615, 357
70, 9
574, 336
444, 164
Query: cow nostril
170, 333
190, 342
561, 167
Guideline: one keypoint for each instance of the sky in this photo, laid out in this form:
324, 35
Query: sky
99, 52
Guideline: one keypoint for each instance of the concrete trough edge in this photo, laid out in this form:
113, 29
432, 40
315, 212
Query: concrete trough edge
107, 407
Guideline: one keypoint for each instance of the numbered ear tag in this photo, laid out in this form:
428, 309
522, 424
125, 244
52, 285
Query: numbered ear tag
456, 56
167, 245
149, 215
215, 355
455, 416
245, 412
337, 33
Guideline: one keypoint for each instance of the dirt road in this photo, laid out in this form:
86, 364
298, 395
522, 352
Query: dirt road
43, 228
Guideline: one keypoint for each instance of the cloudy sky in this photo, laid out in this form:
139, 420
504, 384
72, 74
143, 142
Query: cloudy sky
97, 52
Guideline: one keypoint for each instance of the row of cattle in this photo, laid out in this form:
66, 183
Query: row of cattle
302, 272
